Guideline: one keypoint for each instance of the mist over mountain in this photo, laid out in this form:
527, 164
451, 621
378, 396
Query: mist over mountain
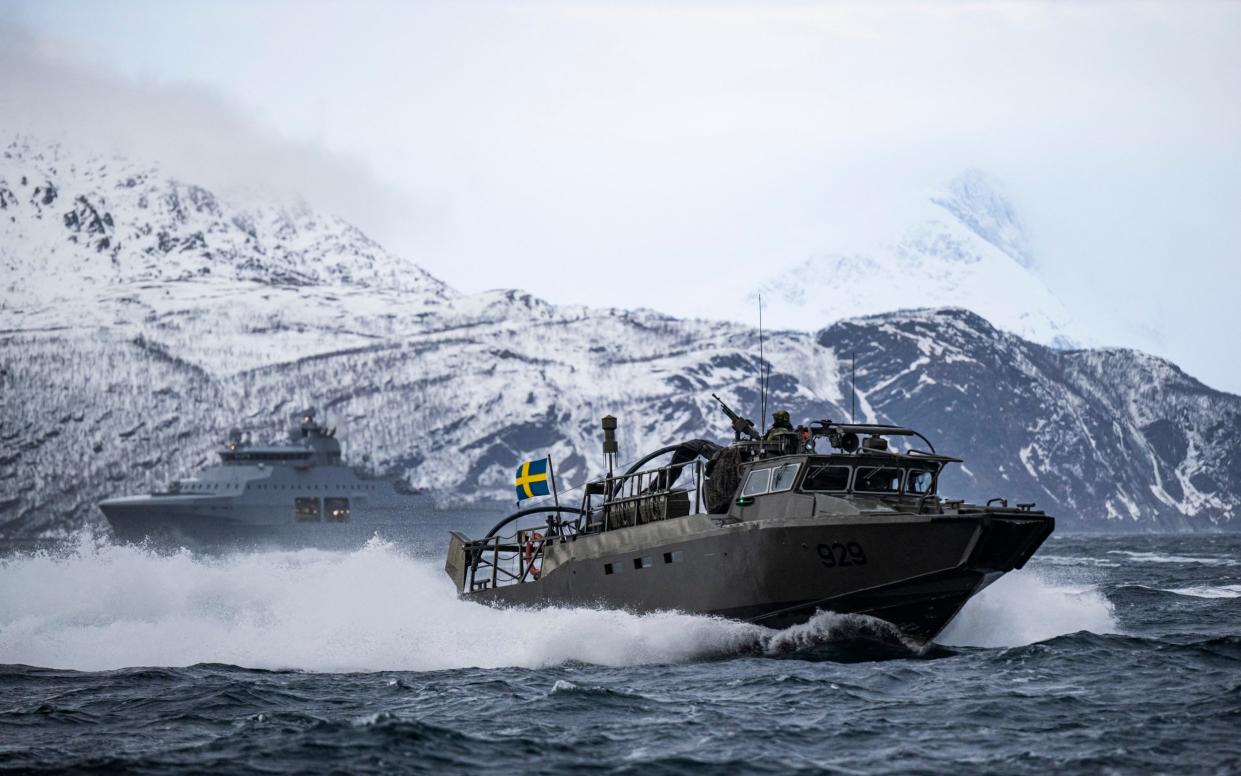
142, 316
963, 246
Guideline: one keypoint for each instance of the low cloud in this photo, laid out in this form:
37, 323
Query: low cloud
190, 132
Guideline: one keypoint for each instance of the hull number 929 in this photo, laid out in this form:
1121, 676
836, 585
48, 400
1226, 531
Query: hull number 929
839, 554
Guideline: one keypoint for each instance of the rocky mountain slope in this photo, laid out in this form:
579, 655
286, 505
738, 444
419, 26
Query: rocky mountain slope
1107, 438
139, 321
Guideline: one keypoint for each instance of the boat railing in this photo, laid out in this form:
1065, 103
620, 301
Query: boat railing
630, 499
647, 496
499, 560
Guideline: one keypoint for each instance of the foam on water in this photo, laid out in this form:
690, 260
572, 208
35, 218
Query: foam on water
1208, 591
829, 627
96, 606
1072, 560
1159, 557
1024, 607
101, 606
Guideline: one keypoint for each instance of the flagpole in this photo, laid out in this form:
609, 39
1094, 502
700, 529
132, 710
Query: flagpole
551, 473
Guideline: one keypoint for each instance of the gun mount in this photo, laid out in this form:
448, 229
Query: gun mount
740, 425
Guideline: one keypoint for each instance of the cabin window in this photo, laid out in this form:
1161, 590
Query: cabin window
920, 482
641, 563
784, 476
336, 509
676, 556
757, 483
827, 478
613, 568
878, 479
306, 509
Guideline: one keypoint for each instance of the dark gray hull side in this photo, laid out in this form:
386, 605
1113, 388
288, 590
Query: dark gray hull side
911, 570
222, 523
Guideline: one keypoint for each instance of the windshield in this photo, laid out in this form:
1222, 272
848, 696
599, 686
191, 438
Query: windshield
784, 477
757, 483
920, 482
827, 478
878, 480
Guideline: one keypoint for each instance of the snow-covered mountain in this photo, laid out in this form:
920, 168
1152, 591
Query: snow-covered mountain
1107, 437
77, 222
960, 247
140, 320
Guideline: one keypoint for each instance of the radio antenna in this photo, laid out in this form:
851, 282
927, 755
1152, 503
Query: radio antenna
762, 383
853, 392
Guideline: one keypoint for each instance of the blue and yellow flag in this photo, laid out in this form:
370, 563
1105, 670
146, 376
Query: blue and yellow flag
532, 480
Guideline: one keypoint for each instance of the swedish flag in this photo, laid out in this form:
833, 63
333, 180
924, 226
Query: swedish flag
532, 480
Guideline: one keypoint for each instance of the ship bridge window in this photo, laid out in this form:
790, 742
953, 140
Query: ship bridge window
783, 477
827, 478
306, 509
878, 479
336, 509
757, 483
920, 482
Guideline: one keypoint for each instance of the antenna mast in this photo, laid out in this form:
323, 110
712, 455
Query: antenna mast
853, 391
762, 383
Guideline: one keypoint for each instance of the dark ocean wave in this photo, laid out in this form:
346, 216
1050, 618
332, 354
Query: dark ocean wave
261, 663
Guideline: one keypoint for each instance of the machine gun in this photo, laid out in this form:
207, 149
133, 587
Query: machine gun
740, 425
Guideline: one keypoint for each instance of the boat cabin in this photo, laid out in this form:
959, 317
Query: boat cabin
890, 475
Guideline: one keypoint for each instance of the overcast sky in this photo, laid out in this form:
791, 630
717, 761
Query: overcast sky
620, 153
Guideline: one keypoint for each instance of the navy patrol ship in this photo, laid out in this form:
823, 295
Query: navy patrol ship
300, 493
768, 530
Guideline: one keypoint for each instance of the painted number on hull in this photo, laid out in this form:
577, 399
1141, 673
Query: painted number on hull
842, 554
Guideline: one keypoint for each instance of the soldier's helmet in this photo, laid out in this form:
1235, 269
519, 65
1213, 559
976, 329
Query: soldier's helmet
780, 417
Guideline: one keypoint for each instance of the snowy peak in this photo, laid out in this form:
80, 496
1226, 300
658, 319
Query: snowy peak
69, 221
963, 247
975, 199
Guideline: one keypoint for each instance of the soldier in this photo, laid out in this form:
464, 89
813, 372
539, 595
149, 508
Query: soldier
780, 425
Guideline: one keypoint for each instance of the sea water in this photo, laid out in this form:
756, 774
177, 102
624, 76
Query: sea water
1105, 653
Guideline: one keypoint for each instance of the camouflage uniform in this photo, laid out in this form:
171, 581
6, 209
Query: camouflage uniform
780, 425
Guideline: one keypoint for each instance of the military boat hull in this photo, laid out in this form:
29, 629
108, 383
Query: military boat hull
913, 571
768, 530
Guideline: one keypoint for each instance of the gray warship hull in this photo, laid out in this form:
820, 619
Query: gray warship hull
913, 571
298, 493
229, 522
